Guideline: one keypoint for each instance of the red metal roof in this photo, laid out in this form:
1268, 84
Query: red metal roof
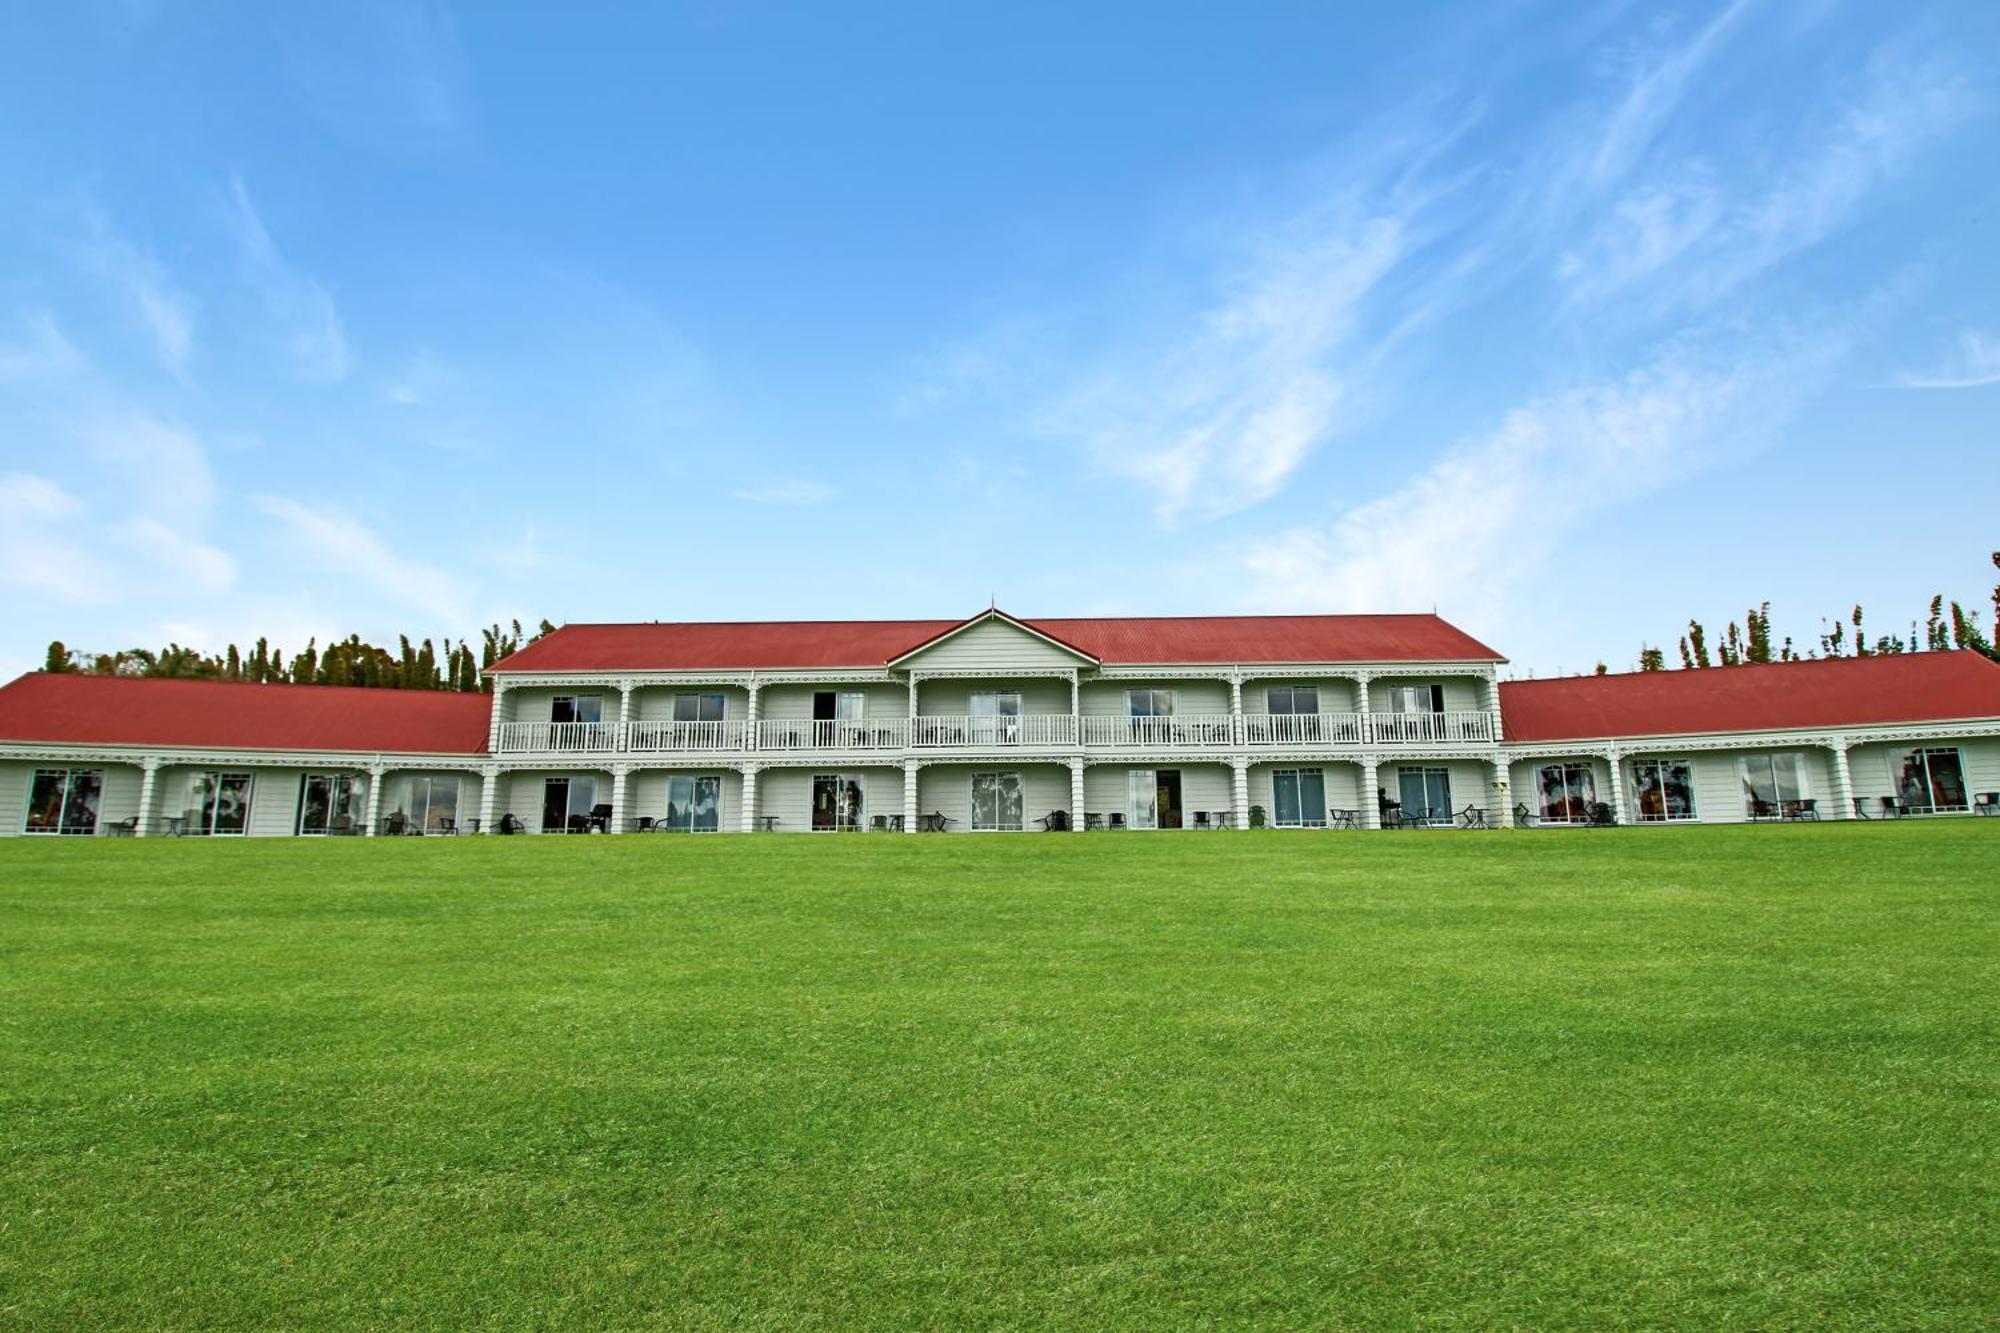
1144, 640
1778, 696
113, 710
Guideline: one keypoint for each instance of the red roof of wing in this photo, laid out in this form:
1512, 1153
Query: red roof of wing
114, 710
1143, 640
1842, 692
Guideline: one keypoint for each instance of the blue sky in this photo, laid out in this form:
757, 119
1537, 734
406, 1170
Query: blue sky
1571, 321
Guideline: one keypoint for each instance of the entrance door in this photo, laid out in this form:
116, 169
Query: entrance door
1167, 797
837, 802
1427, 790
996, 802
694, 803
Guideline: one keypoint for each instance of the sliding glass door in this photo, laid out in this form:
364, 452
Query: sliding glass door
839, 802
1298, 797
64, 800
329, 803
1425, 793
429, 803
1663, 789
996, 717
997, 803
218, 804
567, 803
1568, 791
1930, 779
1772, 782
694, 802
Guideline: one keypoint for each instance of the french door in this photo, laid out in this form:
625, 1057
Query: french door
1153, 798
1568, 792
694, 803
996, 802
1425, 793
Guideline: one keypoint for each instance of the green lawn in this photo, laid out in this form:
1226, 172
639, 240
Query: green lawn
1742, 1077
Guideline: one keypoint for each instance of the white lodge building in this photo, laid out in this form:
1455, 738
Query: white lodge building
995, 723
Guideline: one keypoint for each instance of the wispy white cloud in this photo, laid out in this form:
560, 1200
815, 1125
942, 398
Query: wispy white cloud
169, 552
1657, 92
327, 538
1976, 363
317, 341
158, 306
42, 351
1490, 512
393, 76
783, 492
163, 468
42, 553
1222, 418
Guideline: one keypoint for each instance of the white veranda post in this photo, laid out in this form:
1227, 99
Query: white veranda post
1075, 795
1239, 791
376, 772
1843, 782
1371, 803
149, 769
910, 769
619, 774
1503, 810
489, 797
1617, 764
748, 821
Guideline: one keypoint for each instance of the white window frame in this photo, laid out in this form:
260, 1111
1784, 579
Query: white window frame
1769, 759
1314, 819
249, 799
1589, 769
860, 781
1154, 696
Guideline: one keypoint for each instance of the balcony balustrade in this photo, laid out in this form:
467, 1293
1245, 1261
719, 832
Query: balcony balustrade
1191, 731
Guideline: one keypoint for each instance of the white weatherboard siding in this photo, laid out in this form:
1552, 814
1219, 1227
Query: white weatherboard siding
993, 648
1107, 698
947, 789
1335, 695
794, 703
655, 703
953, 698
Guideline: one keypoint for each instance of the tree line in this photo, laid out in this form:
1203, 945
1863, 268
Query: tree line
449, 664
1948, 625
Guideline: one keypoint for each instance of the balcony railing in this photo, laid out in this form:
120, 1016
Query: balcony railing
872, 733
560, 737
651, 737
1211, 731
1031, 729
1429, 728
1201, 730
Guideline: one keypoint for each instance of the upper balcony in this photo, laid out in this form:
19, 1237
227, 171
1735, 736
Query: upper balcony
974, 733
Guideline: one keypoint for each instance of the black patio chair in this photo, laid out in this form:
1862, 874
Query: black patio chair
1806, 807
1117, 822
1523, 816
1055, 821
511, 823
1761, 809
1892, 808
599, 819
1601, 815
1092, 820
124, 828
1201, 819
1986, 803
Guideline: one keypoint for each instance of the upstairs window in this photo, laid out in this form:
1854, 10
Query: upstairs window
839, 705
1149, 703
699, 707
1416, 698
1290, 699
576, 708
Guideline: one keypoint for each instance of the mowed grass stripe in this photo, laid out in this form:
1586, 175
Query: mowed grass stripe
1657, 1077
